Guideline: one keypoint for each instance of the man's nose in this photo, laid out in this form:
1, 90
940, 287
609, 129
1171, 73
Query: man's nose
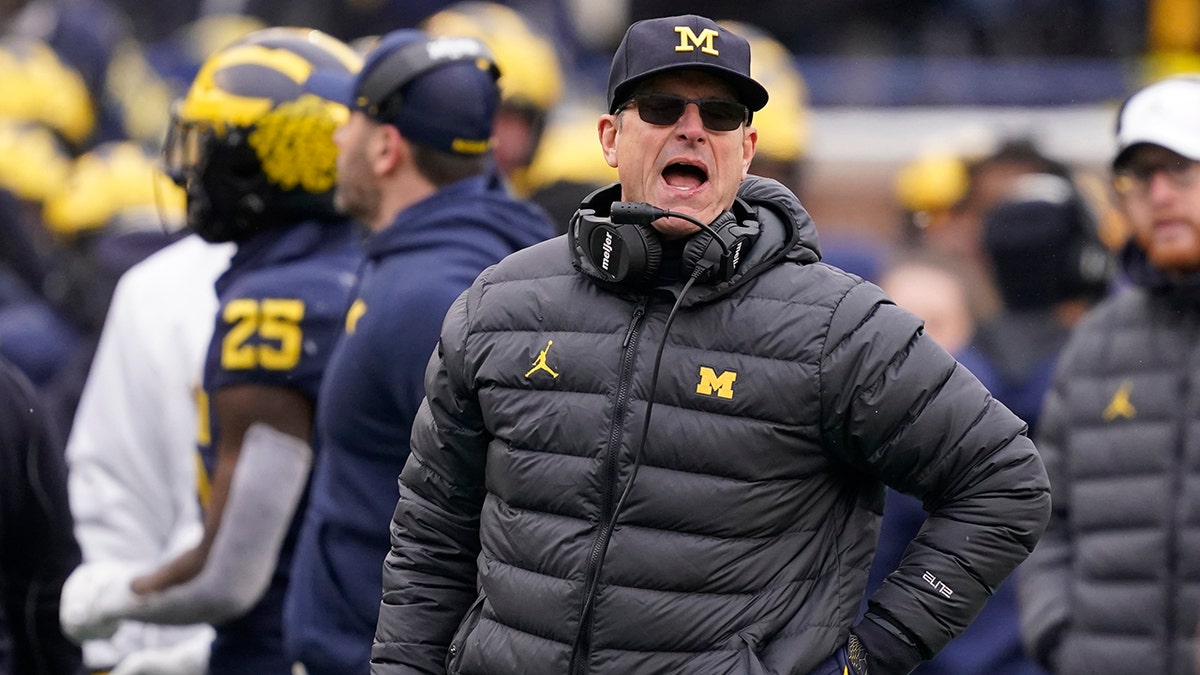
690, 123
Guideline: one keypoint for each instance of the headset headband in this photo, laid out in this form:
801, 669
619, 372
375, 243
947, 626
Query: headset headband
411, 61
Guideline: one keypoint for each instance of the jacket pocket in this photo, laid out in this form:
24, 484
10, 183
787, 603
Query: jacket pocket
470, 620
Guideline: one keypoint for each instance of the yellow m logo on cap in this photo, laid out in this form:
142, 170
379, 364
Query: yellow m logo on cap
688, 41
711, 383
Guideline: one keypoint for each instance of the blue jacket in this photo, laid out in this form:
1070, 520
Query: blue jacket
415, 269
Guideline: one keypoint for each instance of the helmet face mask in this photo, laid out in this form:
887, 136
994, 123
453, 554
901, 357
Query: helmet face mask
182, 150
252, 142
227, 191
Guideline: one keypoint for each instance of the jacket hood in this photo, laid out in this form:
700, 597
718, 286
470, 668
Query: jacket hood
461, 211
1142, 272
786, 233
773, 201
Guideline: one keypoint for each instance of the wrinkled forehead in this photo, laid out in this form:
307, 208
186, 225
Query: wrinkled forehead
685, 80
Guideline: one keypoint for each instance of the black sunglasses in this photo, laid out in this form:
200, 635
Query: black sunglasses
666, 109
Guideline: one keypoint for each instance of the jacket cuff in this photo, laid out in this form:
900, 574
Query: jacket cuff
889, 651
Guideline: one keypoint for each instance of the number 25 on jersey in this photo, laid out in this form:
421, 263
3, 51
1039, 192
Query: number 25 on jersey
276, 324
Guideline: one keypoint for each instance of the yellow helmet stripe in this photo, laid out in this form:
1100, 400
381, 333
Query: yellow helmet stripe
217, 104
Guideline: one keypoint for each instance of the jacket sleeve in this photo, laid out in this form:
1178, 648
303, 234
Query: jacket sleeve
37, 549
429, 574
896, 406
1044, 579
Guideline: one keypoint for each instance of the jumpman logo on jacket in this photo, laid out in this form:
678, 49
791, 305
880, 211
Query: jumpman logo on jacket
1120, 406
540, 362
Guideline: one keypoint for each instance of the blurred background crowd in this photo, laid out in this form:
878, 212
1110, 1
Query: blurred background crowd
882, 115
954, 151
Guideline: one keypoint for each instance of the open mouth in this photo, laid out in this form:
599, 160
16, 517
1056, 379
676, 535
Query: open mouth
684, 176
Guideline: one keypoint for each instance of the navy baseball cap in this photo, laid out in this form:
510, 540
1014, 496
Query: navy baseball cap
655, 46
440, 92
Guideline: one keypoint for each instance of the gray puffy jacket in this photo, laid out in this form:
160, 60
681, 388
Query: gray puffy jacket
787, 397
1114, 586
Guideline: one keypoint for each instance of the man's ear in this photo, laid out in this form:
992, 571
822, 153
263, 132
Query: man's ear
749, 145
607, 129
390, 150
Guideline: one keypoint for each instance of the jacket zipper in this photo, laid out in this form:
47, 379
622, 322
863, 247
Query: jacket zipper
581, 650
1177, 490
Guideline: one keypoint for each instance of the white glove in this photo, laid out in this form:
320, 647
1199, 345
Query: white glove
189, 657
94, 600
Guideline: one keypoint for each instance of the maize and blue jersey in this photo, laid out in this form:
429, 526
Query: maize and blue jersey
282, 305
415, 269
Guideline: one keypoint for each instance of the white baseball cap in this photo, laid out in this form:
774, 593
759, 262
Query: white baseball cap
1166, 113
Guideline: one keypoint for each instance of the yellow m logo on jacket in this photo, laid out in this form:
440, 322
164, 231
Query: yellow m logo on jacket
713, 384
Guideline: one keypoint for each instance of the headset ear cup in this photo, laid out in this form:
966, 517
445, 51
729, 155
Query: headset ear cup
623, 253
629, 254
652, 247
702, 248
719, 261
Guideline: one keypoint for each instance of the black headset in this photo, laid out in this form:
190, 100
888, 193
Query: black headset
617, 238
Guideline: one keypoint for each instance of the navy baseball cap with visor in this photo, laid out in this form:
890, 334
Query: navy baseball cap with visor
654, 46
439, 92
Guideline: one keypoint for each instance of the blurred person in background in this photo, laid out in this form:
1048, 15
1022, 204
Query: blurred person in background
114, 209
1051, 267
178, 55
127, 68
132, 448
1114, 585
415, 167
946, 196
346, 20
35, 335
567, 167
144, 78
46, 89
989, 182
935, 288
47, 119
78, 221
531, 79
86, 36
37, 549
252, 144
